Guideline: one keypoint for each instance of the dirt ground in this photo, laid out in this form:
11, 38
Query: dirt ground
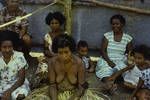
122, 93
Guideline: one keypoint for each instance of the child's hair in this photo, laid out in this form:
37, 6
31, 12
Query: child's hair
82, 43
144, 50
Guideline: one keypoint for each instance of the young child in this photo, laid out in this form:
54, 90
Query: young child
142, 59
82, 49
138, 76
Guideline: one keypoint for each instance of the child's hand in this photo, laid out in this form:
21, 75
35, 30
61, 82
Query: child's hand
131, 66
130, 60
91, 70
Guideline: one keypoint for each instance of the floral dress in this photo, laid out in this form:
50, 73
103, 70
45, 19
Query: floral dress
9, 74
16, 27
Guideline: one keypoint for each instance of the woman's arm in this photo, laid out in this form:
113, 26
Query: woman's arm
104, 52
20, 80
18, 83
129, 47
52, 82
82, 85
92, 66
47, 52
120, 72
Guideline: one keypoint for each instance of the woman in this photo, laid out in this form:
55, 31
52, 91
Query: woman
114, 46
13, 84
55, 21
66, 74
11, 12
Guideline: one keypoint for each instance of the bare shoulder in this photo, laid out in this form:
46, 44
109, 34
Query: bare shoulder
77, 60
52, 60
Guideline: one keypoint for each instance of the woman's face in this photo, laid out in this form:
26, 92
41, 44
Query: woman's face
116, 25
64, 54
13, 4
139, 59
55, 25
7, 48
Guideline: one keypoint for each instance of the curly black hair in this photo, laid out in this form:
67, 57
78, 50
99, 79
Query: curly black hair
82, 43
56, 15
11, 36
144, 50
63, 41
118, 16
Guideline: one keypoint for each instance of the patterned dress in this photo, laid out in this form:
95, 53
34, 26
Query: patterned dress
146, 78
9, 74
115, 51
6, 17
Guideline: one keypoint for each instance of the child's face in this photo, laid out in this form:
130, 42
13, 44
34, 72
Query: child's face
139, 59
131, 59
83, 51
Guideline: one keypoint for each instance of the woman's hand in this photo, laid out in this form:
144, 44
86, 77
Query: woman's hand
111, 64
130, 66
6, 95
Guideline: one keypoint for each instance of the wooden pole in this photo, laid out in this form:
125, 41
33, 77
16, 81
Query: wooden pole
116, 6
68, 15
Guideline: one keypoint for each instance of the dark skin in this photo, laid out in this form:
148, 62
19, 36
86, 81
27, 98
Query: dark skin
83, 51
142, 64
130, 65
56, 30
13, 7
118, 33
7, 51
66, 65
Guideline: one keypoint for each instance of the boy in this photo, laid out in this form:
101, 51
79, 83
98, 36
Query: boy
142, 59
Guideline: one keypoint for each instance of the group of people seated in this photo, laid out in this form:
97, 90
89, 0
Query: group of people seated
66, 65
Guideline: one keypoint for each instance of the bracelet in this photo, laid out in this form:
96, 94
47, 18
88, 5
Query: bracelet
52, 83
85, 85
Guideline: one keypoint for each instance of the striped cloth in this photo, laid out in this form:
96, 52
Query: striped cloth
115, 51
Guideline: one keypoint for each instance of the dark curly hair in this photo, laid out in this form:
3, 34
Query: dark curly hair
82, 43
10, 36
118, 16
144, 50
63, 41
56, 15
